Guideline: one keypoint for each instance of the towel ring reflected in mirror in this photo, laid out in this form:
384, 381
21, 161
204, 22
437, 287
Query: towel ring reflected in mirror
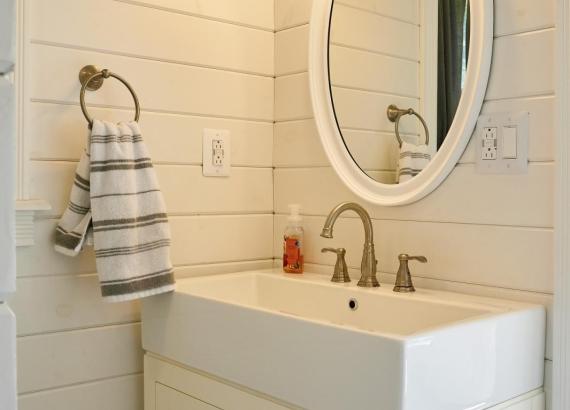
395, 114
92, 79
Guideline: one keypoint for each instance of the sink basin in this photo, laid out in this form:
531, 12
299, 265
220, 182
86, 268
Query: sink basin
322, 345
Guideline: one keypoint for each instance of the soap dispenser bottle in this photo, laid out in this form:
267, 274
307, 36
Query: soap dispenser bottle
293, 241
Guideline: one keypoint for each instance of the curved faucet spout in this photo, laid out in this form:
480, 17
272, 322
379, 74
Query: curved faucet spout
368, 265
327, 231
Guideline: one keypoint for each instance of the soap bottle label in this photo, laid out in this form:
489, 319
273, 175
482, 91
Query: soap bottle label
292, 257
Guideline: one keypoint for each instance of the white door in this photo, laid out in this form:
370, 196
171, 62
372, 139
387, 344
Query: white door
7, 200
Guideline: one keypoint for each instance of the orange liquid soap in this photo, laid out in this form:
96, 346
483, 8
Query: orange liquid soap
293, 242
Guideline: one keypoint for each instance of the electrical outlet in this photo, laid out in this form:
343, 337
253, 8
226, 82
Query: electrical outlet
218, 153
490, 134
503, 143
489, 144
216, 159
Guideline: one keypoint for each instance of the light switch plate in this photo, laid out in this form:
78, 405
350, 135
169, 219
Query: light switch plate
504, 127
216, 153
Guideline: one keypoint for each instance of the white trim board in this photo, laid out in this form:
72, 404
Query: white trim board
561, 363
7, 157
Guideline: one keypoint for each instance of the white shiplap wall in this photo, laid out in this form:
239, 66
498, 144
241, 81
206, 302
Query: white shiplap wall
482, 234
199, 64
211, 63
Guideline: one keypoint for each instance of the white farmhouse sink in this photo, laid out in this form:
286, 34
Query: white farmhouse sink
294, 337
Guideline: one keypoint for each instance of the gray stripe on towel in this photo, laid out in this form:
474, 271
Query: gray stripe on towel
120, 161
138, 285
125, 194
128, 280
81, 210
66, 240
131, 250
122, 221
82, 180
121, 167
63, 231
408, 154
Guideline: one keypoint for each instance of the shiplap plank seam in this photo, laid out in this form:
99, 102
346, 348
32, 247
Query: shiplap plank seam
143, 110
429, 221
82, 383
384, 93
70, 385
156, 111
177, 267
147, 58
380, 53
377, 13
198, 15
115, 393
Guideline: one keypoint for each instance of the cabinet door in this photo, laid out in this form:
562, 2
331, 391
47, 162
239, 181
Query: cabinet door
7, 357
170, 399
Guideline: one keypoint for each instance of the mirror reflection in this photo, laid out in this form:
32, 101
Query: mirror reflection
397, 69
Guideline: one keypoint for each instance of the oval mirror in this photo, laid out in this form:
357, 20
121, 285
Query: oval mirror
396, 87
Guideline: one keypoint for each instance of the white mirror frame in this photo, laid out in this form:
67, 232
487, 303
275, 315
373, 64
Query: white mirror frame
480, 51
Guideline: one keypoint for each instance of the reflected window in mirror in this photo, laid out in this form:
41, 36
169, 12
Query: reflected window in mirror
453, 52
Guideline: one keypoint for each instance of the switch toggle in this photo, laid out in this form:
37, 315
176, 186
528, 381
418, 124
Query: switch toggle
510, 142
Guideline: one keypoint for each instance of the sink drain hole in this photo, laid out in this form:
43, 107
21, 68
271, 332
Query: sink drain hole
353, 304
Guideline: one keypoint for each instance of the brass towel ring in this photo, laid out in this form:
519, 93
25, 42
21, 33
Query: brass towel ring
92, 79
394, 114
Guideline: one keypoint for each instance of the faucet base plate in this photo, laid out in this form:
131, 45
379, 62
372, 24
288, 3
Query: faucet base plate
371, 282
404, 289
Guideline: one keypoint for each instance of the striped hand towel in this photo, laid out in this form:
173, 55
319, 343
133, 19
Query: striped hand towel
115, 194
413, 159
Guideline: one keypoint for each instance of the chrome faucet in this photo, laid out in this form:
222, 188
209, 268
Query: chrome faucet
369, 262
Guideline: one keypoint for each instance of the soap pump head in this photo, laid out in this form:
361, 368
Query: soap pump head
295, 214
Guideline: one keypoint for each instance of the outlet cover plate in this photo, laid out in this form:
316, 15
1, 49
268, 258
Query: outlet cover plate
216, 153
502, 164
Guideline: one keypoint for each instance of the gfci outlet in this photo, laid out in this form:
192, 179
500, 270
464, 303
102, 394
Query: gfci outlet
216, 158
502, 143
489, 144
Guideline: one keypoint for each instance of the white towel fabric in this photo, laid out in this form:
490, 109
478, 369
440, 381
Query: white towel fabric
413, 159
116, 195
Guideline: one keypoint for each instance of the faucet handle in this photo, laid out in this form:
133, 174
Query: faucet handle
340, 268
404, 277
406, 257
334, 250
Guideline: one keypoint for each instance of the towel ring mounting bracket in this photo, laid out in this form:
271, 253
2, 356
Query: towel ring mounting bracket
91, 78
394, 114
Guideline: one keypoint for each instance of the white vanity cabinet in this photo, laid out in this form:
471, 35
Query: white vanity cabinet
171, 386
